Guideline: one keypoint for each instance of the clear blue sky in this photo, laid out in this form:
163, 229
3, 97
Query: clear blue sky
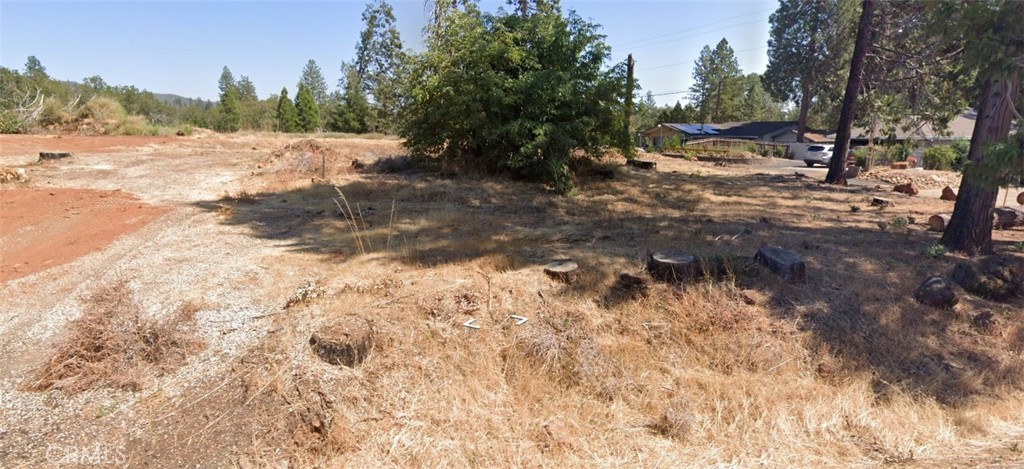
180, 47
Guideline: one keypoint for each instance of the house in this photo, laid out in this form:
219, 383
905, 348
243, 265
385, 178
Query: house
922, 135
761, 131
665, 132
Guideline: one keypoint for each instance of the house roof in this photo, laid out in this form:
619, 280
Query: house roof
689, 129
961, 127
757, 129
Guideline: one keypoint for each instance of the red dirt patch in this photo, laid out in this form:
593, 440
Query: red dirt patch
44, 228
19, 145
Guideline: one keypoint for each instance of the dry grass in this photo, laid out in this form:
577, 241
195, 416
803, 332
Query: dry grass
113, 344
739, 369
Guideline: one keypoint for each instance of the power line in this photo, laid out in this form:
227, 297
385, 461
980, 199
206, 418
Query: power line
692, 29
690, 61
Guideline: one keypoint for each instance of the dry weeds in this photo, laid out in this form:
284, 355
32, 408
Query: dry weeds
113, 344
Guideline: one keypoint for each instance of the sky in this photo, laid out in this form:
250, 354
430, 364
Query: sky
181, 47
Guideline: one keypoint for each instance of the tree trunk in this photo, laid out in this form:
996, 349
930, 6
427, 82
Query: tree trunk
837, 167
805, 108
630, 84
970, 227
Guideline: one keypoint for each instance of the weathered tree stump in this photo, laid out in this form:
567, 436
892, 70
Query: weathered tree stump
882, 202
785, 264
672, 266
563, 270
47, 155
347, 342
949, 194
937, 292
938, 222
643, 164
1007, 217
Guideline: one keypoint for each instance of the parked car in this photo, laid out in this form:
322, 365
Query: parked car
818, 154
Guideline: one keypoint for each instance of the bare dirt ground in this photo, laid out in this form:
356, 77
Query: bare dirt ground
846, 370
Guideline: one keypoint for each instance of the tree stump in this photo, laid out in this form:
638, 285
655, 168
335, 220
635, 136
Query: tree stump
643, 164
852, 172
1007, 217
882, 202
672, 266
785, 264
563, 270
47, 155
939, 221
347, 342
899, 165
949, 194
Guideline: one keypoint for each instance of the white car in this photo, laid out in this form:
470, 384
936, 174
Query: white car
819, 154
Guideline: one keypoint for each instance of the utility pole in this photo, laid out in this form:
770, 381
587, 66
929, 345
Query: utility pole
630, 84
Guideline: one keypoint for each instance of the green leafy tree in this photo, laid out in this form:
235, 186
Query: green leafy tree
307, 110
313, 78
35, 70
515, 94
808, 48
716, 75
286, 116
755, 103
381, 64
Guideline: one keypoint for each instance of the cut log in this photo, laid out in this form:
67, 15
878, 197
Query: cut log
1020, 198
785, 264
1007, 217
563, 270
47, 155
938, 222
347, 342
949, 194
882, 202
899, 165
643, 164
672, 266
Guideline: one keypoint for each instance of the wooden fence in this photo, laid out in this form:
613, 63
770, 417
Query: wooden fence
723, 145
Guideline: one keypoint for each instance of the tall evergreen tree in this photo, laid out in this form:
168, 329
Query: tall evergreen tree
287, 117
354, 109
307, 109
246, 90
313, 78
716, 77
755, 103
381, 64
809, 45
229, 118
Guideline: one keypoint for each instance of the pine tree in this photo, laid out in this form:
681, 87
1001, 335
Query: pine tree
354, 109
381, 64
307, 109
286, 115
313, 78
808, 47
229, 119
246, 90
716, 76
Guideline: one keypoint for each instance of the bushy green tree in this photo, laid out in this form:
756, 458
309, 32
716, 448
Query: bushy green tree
716, 83
515, 94
307, 110
755, 103
286, 115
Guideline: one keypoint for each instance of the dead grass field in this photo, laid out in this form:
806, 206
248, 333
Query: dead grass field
847, 370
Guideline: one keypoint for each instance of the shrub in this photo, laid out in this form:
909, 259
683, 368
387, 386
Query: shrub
961, 147
53, 113
940, 157
133, 125
101, 109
